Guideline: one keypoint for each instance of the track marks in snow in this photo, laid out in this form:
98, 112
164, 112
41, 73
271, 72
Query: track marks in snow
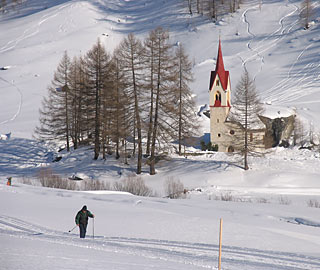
305, 77
19, 102
33, 30
289, 88
266, 43
198, 255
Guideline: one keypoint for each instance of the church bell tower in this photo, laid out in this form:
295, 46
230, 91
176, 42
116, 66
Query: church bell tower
219, 102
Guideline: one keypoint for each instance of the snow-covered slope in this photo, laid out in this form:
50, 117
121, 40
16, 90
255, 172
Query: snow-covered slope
267, 225
281, 56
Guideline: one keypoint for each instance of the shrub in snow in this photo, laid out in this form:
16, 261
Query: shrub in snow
262, 200
313, 203
208, 146
133, 185
284, 200
203, 146
94, 185
48, 179
174, 188
227, 197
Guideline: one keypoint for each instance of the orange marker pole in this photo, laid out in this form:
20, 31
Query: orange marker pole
220, 242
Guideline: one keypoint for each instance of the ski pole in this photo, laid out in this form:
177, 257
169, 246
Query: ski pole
93, 228
72, 228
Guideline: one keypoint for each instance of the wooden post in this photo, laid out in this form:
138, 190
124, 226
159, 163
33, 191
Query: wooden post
220, 242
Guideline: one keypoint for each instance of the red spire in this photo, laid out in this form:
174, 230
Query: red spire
220, 71
219, 65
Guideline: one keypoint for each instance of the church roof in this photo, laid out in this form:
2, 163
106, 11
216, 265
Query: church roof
220, 71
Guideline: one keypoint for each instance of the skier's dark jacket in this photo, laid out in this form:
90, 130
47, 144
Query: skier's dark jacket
82, 217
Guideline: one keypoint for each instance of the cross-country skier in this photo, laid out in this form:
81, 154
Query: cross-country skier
82, 220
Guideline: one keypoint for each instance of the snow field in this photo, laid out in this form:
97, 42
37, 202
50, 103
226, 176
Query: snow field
267, 222
162, 233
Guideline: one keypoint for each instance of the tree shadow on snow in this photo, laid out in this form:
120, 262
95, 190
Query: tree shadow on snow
30, 7
144, 16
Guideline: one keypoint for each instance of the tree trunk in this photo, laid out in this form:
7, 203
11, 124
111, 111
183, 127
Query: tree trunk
97, 124
151, 107
67, 117
138, 121
180, 106
154, 135
155, 123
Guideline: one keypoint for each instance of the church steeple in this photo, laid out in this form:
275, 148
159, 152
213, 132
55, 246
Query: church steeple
220, 83
220, 71
219, 64
219, 102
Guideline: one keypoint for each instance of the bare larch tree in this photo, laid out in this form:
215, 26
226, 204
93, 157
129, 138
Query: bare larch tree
97, 64
129, 54
245, 113
54, 115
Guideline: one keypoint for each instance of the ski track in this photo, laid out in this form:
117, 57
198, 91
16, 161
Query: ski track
32, 31
266, 43
20, 102
289, 88
196, 254
29, 32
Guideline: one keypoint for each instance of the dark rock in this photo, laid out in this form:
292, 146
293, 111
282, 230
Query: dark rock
278, 130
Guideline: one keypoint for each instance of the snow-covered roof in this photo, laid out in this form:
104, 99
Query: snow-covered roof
274, 112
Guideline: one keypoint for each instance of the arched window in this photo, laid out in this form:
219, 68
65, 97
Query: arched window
230, 149
218, 96
218, 83
217, 99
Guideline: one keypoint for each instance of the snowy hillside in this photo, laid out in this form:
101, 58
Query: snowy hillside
281, 56
268, 219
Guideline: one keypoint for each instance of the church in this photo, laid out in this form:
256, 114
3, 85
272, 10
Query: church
223, 131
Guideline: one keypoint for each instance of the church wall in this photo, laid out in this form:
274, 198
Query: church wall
230, 136
219, 131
